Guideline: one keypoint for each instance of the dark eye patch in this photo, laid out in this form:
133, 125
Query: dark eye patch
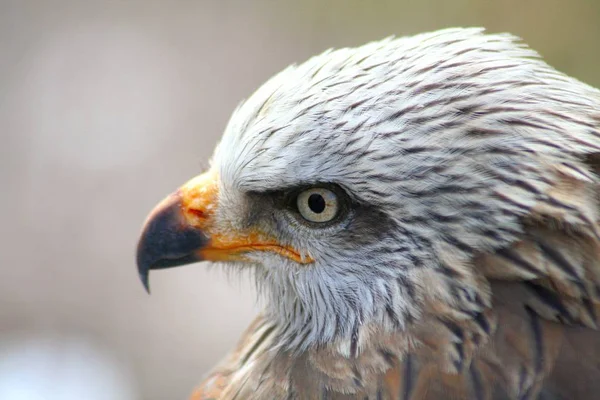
285, 199
357, 224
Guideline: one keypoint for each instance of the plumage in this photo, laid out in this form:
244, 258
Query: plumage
463, 261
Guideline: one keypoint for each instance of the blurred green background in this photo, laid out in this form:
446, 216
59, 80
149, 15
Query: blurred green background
106, 107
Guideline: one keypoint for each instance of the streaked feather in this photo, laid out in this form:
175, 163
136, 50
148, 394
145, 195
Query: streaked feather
480, 279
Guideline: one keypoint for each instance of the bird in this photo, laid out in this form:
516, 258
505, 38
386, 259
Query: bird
421, 217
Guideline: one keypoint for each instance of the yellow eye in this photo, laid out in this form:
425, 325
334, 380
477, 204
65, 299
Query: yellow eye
317, 205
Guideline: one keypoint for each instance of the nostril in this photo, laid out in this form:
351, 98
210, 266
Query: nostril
198, 213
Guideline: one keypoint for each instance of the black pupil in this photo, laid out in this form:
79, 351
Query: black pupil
316, 203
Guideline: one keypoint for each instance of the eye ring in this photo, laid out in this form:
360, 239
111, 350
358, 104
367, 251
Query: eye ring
318, 205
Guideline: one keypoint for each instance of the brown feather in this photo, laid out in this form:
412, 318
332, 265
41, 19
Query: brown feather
525, 328
532, 341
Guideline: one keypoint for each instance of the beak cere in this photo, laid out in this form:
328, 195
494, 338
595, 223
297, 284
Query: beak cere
181, 230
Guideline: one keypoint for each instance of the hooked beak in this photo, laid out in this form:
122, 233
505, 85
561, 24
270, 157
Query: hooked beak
167, 240
182, 230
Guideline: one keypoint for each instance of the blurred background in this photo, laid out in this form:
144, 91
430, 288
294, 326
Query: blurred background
106, 107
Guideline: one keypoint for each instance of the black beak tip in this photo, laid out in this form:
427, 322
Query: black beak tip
144, 267
166, 241
144, 277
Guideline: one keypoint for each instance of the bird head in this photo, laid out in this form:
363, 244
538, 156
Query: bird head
360, 185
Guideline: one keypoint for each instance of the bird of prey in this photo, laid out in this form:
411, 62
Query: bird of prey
422, 218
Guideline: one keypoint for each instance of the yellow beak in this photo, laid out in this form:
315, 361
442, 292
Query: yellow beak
181, 230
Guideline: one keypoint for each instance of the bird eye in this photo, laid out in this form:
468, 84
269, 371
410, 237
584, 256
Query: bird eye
317, 205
